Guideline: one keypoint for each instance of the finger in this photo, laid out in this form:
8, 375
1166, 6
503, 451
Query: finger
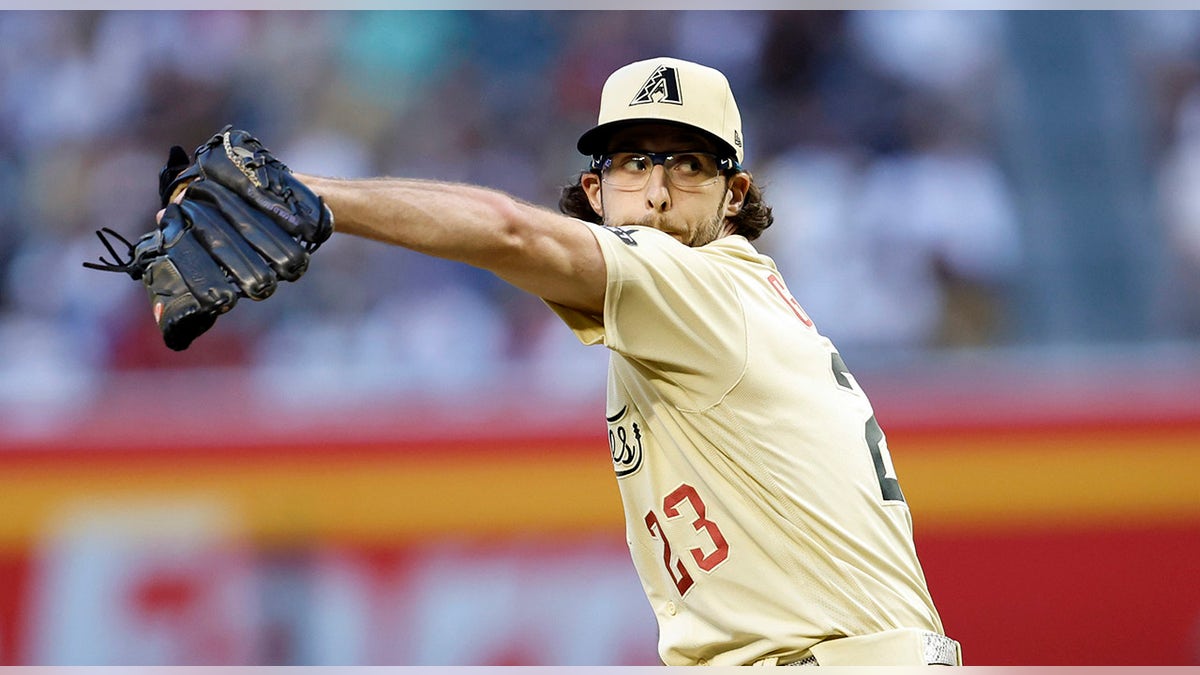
177, 196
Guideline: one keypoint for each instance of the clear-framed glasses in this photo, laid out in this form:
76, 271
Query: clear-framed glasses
631, 170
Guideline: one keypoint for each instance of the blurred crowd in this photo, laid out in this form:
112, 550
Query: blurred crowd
877, 135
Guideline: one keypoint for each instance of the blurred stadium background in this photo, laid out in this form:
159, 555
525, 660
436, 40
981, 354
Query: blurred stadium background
398, 460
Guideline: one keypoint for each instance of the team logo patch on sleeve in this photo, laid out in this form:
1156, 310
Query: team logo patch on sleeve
622, 234
625, 442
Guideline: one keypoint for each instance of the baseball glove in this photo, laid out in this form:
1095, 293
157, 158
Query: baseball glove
243, 224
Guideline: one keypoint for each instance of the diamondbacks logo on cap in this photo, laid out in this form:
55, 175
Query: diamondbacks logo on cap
662, 86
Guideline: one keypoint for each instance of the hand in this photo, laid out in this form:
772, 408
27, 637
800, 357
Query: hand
235, 222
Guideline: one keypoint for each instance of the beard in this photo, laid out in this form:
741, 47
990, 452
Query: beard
709, 231
706, 232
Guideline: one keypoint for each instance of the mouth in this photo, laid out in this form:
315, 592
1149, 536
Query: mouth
657, 222
682, 235
669, 228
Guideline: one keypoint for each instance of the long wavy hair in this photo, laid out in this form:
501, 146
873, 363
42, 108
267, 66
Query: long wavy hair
754, 216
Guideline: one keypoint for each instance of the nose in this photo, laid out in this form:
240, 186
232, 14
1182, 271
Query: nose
658, 197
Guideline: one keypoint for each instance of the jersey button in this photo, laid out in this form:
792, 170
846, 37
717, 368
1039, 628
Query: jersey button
671, 608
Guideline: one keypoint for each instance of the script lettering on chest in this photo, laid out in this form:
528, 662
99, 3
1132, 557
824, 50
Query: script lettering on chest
625, 443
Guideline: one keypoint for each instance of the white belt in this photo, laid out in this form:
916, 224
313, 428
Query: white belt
938, 650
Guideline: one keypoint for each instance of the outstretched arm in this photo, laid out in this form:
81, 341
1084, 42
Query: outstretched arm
535, 249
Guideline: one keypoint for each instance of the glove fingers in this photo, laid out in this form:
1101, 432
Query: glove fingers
247, 268
241, 163
189, 325
187, 289
197, 270
178, 313
286, 256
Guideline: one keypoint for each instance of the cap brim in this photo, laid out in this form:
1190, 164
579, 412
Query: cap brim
594, 141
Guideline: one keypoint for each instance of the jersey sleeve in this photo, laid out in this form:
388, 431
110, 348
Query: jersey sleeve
667, 306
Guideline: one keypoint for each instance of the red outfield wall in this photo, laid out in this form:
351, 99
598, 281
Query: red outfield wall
1064, 534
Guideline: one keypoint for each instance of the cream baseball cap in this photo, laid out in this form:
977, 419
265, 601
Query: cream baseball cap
667, 90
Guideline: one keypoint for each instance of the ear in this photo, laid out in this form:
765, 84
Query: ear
736, 190
590, 183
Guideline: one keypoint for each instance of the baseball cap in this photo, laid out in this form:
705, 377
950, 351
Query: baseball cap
669, 90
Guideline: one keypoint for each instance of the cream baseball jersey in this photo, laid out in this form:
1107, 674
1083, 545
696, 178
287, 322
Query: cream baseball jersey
763, 511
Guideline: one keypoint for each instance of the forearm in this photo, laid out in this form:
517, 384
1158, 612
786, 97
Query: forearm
537, 250
446, 220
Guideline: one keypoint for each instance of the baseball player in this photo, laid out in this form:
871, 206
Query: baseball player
763, 511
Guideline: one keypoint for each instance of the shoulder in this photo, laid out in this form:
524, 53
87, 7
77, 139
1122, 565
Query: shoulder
650, 248
738, 250
633, 235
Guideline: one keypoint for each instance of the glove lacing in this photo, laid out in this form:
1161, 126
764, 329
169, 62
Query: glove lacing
130, 267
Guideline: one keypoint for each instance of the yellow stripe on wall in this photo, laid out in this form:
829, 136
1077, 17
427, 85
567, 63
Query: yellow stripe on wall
380, 500
1077, 478
951, 480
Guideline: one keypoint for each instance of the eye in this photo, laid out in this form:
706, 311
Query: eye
688, 163
632, 162
692, 164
